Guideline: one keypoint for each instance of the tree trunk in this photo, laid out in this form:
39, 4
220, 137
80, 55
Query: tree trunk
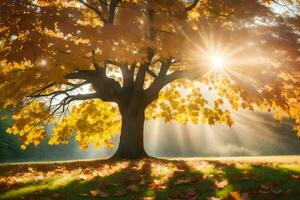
131, 145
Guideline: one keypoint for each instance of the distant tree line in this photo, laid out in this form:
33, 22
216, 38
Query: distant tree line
9, 144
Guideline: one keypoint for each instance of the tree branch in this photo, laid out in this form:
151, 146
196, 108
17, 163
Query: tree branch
140, 78
112, 9
161, 81
127, 74
81, 74
192, 6
151, 73
97, 11
164, 67
70, 98
59, 92
107, 89
42, 89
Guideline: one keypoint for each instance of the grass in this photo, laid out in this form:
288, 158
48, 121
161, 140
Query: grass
231, 178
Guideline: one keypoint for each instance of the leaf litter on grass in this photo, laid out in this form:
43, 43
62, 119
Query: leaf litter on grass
150, 178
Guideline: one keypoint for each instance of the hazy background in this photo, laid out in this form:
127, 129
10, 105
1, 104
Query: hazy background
253, 134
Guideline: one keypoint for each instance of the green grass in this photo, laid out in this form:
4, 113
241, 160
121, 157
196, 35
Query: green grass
31, 187
160, 179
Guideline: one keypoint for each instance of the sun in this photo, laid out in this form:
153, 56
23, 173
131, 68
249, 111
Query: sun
43, 62
217, 61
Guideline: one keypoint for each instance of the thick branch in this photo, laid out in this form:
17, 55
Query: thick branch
112, 10
106, 9
140, 78
193, 5
107, 89
164, 67
127, 74
81, 74
151, 73
161, 81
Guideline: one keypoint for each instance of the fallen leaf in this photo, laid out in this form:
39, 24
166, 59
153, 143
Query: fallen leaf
245, 196
265, 187
295, 177
263, 192
206, 176
148, 198
142, 181
31, 169
56, 195
98, 193
191, 192
97, 173
184, 180
237, 196
133, 188
94, 192
245, 172
121, 193
10, 181
104, 194
276, 191
213, 198
83, 176
221, 184
158, 184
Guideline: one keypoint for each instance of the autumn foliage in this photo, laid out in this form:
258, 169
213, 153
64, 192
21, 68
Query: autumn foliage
100, 67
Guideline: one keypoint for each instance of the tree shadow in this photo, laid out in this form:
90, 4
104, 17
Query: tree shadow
157, 179
264, 181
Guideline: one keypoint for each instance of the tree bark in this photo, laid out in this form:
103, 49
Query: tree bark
131, 145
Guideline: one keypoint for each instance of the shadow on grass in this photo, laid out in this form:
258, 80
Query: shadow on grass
156, 179
264, 182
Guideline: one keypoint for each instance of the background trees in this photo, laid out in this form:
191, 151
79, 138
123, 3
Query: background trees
150, 58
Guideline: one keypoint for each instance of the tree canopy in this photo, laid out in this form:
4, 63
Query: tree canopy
81, 63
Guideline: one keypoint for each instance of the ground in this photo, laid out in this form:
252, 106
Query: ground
190, 178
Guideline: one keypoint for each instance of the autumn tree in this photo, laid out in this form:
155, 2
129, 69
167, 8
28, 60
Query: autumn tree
96, 68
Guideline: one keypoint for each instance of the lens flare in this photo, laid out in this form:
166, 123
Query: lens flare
217, 62
43, 62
